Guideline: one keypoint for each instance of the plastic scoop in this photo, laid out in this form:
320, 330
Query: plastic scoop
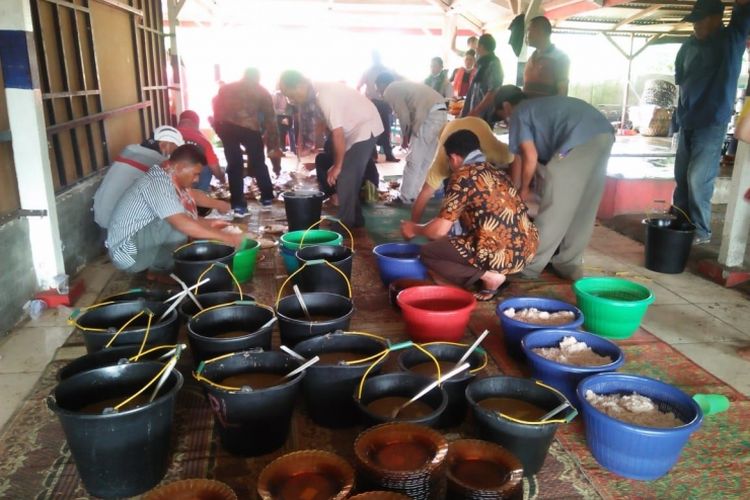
430, 387
711, 404
302, 367
302, 303
178, 298
292, 353
555, 411
472, 347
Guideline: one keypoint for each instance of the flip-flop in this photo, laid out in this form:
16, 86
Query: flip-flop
486, 294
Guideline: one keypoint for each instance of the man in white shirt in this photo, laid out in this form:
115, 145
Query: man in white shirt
354, 124
422, 114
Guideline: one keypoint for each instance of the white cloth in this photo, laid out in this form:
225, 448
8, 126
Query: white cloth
423, 148
345, 108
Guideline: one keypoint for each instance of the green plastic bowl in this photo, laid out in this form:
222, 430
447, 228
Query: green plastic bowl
293, 239
612, 307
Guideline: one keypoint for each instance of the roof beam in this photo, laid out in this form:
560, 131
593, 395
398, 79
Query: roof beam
638, 15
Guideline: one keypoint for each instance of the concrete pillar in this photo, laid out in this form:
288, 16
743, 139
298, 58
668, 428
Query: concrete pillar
734, 234
173, 10
29, 132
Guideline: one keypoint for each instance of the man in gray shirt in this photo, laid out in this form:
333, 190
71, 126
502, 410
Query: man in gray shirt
422, 114
571, 140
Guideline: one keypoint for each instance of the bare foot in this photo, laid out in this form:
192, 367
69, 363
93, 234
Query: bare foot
744, 353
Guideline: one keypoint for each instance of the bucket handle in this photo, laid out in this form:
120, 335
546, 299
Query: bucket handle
198, 373
190, 243
73, 318
135, 358
568, 418
313, 263
478, 349
122, 328
332, 219
381, 356
687, 217
220, 264
240, 303
167, 367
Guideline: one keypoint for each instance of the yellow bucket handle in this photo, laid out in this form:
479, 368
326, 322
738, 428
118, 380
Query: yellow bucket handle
565, 420
170, 365
196, 242
220, 264
123, 327
325, 218
459, 344
313, 263
687, 217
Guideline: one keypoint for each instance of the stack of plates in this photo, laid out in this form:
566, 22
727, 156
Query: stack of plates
480, 470
306, 474
401, 457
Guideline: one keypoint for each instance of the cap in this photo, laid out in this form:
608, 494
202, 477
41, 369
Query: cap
189, 114
703, 9
168, 134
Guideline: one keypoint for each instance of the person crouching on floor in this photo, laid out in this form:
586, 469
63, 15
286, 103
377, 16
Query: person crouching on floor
499, 238
158, 213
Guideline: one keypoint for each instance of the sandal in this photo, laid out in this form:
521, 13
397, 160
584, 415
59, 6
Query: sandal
486, 294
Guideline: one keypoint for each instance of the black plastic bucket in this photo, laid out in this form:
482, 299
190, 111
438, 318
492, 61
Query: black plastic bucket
188, 308
455, 387
302, 208
148, 294
328, 388
668, 245
319, 276
193, 259
203, 328
405, 385
253, 422
107, 357
119, 454
293, 325
527, 441
100, 324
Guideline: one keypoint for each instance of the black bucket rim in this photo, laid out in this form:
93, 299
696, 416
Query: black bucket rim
145, 290
58, 410
513, 421
350, 255
177, 251
122, 350
171, 317
212, 385
295, 321
309, 193
242, 303
472, 373
339, 335
649, 223
186, 300
435, 414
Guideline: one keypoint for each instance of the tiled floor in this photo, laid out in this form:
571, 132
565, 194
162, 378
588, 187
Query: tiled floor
702, 320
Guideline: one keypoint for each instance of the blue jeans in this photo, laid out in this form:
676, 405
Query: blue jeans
204, 181
695, 167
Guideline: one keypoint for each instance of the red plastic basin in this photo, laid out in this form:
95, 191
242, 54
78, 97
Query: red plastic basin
436, 313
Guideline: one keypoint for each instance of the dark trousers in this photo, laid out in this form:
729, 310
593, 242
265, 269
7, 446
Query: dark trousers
323, 163
442, 258
286, 129
384, 139
235, 138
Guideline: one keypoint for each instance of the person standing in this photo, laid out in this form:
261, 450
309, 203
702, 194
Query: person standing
371, 91
546, 71
189, 127
707, 68
438, 78
422, 114
489, 76
243, 112
285, 121
462, 77
498, 237
572, 141
354, 124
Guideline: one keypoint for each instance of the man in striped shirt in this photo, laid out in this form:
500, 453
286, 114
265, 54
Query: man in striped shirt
157, 214
132, 164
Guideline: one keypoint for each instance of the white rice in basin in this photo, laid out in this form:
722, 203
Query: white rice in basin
572, 352
535, 316
633, 409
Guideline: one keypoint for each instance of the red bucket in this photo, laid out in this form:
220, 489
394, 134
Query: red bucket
436, 313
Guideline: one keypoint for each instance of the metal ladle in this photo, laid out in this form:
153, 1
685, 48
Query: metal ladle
430, 387
302, 303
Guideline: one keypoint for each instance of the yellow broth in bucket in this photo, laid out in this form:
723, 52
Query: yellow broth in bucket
480, 474
98, 407
256, 380
514, 408
306, 486
429, 369
386, 406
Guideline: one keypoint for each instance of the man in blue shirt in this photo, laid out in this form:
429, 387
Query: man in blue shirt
707, 68
571, 140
